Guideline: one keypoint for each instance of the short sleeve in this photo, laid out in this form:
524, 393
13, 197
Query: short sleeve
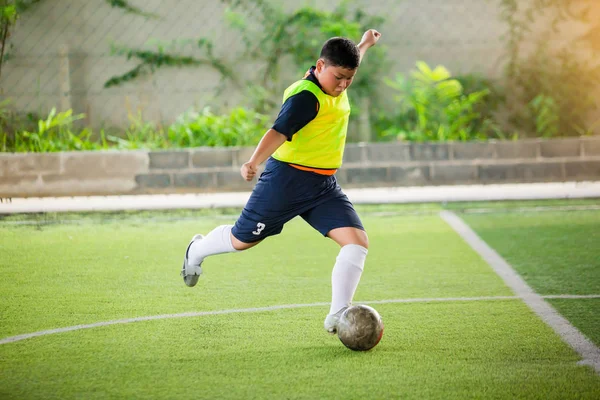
296, 112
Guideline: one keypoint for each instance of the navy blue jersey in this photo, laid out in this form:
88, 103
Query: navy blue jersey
298, 110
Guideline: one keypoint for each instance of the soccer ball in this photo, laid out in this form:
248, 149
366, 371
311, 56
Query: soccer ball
360, 328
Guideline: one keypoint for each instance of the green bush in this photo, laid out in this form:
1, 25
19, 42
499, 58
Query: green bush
558, 91
489, 107
139, 135
239, 127
433, 106
545, 113
52, 134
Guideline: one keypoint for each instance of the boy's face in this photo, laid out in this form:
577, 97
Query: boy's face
334, 80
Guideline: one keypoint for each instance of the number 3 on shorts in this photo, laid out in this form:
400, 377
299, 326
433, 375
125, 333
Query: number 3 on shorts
259, 228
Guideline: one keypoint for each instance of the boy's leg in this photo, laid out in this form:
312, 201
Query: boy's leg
264, 215
337, 219
348, 267
218, 241
347, 271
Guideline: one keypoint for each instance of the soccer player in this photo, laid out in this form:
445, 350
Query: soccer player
303, 150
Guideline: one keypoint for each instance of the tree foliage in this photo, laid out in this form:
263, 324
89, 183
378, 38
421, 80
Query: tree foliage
553, 87
10, 10
128, 8
273, 39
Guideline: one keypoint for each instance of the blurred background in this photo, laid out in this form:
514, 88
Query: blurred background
128, 74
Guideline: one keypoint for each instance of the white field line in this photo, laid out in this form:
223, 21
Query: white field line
491, 210
18, 338
409, 194
571, 335
232, 217
590, 207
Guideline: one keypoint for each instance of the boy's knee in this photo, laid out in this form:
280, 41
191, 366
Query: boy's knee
345, 236
363, 240
240, 246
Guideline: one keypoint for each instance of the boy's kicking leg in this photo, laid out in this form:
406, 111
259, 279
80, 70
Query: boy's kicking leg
218, 241
264, 215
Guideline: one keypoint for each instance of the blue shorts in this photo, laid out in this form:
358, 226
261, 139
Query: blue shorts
284, 192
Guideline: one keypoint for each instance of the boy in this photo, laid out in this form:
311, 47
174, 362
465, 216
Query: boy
304, 149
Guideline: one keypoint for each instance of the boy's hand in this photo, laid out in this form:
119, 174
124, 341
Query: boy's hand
248, 171
369, 38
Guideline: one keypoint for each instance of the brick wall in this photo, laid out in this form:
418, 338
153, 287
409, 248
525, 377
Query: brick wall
365, 165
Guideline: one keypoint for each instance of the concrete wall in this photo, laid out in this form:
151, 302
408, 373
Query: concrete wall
464, 35
59, 52
365, 165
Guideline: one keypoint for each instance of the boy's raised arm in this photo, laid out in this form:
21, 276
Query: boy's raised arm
369, 39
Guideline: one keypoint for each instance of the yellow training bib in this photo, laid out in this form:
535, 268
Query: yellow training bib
320, 144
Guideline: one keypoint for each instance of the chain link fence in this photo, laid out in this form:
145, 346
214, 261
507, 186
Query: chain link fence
60, 52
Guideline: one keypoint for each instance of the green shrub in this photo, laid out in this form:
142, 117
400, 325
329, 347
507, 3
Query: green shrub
139, 135
558, 91
240, 127
55, 133
433, 106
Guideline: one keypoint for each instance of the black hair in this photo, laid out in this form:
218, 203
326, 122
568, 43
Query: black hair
340, 52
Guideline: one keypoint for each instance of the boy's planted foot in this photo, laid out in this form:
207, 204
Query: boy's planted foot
331, 321
191, 273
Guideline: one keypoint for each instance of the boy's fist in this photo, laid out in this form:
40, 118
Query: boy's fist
370, 37
248, 171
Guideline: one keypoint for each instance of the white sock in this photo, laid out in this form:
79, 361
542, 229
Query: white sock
218, 241
345, 276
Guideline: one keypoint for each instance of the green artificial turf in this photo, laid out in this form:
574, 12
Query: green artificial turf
96, 269
556, 252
